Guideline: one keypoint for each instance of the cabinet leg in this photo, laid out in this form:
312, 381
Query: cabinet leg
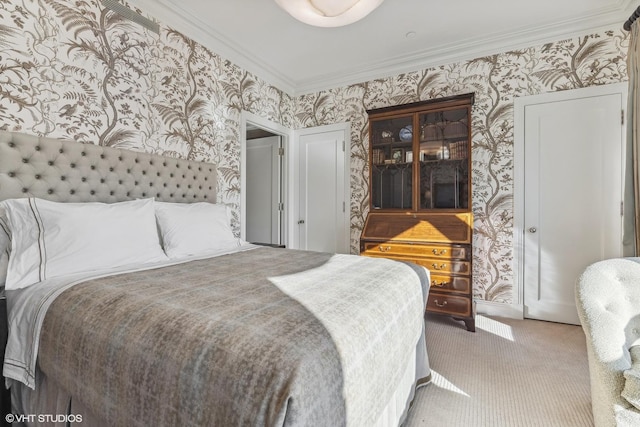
471, 324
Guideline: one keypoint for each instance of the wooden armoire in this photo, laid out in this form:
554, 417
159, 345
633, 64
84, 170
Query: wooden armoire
420, 196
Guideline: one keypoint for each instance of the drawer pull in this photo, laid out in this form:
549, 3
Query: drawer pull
436, 302
384, 248
439, 284
439, 252
439, 267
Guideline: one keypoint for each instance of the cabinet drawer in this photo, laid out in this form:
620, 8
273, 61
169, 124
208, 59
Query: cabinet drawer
450, 304
433, 265
451, 284
444, 266
388, 248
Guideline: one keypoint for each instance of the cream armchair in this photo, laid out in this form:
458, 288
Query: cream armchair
608, 301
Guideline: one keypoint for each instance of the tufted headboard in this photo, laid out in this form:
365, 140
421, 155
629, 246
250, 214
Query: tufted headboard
69, 171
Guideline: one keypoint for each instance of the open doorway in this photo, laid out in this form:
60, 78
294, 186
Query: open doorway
263, 181
264, 223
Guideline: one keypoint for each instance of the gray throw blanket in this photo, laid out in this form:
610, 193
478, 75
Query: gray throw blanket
262, 337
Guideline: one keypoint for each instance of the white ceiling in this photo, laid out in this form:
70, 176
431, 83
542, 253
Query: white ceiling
262, 38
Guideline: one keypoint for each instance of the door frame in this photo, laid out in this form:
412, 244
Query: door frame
519, 170
295, 154
287, 135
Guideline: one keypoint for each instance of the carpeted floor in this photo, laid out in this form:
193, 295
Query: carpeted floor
510, 373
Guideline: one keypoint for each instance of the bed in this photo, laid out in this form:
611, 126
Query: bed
156, 330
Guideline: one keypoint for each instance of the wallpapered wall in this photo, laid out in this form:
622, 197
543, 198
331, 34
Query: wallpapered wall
74, 70
594, 59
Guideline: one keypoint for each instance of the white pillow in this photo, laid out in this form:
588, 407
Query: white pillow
5, 246
194, 228
52, 239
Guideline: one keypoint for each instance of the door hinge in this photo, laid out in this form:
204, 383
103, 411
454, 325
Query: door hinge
281, 206
344, 207
622, 208
281, 151
343, 145
622, 117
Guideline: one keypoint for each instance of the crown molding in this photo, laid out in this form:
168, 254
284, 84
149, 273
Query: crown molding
606, 19
171, 14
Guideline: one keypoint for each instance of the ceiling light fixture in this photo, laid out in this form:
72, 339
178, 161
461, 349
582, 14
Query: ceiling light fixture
328, 13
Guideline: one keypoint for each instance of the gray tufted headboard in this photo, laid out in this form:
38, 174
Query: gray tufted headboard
69, 171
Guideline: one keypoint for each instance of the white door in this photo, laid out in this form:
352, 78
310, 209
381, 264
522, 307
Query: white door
323, 190
573, 148
263, 190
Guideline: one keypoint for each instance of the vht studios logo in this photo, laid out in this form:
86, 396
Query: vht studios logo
43, 418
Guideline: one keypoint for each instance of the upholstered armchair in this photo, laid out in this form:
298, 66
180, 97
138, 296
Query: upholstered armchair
608, 301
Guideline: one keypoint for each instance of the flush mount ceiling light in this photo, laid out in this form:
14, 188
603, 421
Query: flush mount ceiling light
328, 13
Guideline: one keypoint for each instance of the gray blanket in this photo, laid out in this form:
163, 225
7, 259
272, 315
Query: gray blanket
263, 337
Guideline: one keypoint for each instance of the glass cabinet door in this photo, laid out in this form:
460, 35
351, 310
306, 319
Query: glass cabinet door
443, 157
392, 163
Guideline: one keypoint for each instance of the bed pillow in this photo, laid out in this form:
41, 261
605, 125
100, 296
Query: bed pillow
631, 391
194, 228
50, 239
5, 246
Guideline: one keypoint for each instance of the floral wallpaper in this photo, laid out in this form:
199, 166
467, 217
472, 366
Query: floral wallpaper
74, 69
593, 59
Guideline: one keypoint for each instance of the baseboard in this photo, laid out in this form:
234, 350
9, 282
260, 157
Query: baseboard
513, 311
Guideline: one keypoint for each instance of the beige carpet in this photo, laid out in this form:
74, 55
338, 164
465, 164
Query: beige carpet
511, 373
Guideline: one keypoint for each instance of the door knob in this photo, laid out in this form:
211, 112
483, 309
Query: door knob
301, 221
533, 230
